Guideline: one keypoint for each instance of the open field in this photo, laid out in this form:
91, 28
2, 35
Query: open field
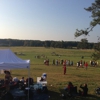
56, 80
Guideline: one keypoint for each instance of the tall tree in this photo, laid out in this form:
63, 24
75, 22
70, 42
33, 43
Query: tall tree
83, 44
95, 14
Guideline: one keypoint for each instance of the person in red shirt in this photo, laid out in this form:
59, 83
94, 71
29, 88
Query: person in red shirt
69, 86
86, 65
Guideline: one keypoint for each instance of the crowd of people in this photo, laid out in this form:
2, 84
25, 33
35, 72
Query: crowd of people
10, 82
82, 64
79, 64
93, 63
65, 63
58, 62
72, 90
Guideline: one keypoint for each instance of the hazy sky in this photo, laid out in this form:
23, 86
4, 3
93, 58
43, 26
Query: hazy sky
45, 19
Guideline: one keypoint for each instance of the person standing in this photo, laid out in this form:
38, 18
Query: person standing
86, 65
64, 67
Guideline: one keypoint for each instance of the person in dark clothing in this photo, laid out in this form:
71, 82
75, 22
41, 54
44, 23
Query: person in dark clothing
30, 81
71, 90
64, 67
69, 86
85, 90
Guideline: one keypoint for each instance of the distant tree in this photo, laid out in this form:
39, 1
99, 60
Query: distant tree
25, 43
57, 43
83, 44
52, 44
95, 11
84, 40
10, 42
47, 43
96, 54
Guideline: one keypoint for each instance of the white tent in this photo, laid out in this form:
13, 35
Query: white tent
8, 60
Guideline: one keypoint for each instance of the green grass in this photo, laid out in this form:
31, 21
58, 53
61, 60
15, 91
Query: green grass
55, 75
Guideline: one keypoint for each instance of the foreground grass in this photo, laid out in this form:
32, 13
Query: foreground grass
56, 80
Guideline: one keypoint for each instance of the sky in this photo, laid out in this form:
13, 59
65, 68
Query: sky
45, 20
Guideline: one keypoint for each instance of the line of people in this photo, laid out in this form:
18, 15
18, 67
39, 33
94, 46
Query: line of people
82, 64
60, 62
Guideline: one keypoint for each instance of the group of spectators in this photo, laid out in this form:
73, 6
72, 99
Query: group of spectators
85, 64
13, 82
72, 90
82, 64
71, 63
60, 62
93, 63
10, 83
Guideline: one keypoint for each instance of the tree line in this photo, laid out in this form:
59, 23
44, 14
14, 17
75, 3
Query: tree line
83, 44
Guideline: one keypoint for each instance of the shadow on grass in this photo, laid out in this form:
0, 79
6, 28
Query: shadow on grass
89, 97
54, 95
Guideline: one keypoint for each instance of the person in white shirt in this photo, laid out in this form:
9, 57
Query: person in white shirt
15, 79
22, 80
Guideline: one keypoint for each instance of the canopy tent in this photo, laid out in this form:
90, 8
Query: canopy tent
8, 60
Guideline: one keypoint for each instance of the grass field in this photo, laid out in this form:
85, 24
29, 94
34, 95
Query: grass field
56, 80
